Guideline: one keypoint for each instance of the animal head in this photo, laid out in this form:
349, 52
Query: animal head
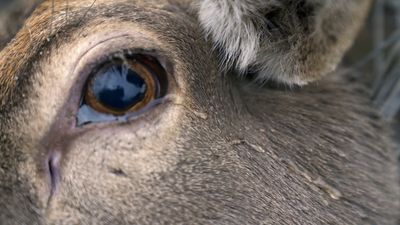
184, 143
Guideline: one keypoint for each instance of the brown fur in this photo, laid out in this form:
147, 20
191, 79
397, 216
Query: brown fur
12, 16
292, 42
220, 151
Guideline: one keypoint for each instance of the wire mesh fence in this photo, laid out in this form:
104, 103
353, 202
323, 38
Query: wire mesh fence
376, 54
385, 30
383, 61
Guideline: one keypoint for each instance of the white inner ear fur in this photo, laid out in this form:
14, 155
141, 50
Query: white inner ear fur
234, 26
229, 23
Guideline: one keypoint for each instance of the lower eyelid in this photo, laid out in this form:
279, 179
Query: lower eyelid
88, 115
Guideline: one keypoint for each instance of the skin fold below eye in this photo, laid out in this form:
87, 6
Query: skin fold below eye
121, 86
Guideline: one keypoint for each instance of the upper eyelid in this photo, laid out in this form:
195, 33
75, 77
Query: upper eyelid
42, 46
63, 30
94, 46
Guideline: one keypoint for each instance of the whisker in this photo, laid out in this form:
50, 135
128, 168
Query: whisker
66, 13
87, 11
52, 17
84, 15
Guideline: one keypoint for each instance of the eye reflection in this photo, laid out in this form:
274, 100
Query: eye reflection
119, 87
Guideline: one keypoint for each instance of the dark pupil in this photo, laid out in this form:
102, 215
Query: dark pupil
118, 87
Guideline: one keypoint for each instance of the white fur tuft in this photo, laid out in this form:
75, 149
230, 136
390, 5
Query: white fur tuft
229, 24
296, 55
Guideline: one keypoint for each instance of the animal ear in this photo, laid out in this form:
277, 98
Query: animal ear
292, 42
13, 14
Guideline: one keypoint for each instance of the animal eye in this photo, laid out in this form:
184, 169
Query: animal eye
120, 86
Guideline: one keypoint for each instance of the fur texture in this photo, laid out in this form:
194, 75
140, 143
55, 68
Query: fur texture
12, 16
292, 42
219, 151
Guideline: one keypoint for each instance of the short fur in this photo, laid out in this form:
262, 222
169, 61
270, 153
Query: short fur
220, 151
12, 17
292, 42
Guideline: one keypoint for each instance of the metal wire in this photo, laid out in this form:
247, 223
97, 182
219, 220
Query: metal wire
386, 66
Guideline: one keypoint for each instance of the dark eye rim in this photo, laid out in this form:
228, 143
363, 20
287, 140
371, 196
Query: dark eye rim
151, 56
147, 67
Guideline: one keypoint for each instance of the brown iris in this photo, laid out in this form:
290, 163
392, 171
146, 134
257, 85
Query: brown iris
122, 86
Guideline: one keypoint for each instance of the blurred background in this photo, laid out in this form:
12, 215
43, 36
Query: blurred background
375, 54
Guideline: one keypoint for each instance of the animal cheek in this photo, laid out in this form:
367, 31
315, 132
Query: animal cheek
126, 156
